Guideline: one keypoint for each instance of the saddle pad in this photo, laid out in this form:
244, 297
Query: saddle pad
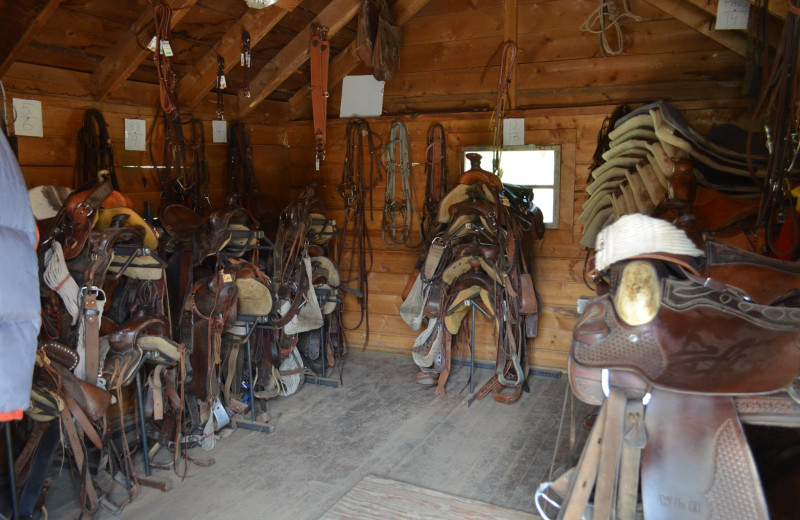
464, 264
626, 239
696, 463
460, 193
456, 313
412, 307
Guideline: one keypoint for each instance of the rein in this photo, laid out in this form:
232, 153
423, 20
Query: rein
436, 173
240, 169
167, 80
779, 110
398, 216
200, 202
355, 184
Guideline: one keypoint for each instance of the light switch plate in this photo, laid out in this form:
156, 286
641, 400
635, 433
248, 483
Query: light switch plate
513, 131
27, 117
135, 134
219, 131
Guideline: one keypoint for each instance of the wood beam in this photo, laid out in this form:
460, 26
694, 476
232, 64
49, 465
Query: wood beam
511, 34
21, 22
258, 22
347, 60
335, 16
774, 23
699, 20
128, 53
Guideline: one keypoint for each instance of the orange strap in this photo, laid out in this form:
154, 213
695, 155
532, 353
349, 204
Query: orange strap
320, 54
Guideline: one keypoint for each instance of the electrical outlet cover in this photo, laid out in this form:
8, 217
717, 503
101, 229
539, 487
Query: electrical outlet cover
135, 134
27, 117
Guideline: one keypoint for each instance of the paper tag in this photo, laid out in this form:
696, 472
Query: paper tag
247, 59
513, 131
226, 277
241, 59
152, 44
222, 83
732, 14
166, 48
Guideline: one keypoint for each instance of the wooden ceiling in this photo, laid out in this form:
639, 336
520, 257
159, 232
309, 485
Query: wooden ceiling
106, 39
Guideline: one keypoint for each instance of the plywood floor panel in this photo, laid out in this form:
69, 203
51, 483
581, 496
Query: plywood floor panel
379, 423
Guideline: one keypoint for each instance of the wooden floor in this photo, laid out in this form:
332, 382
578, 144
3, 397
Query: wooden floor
379, 423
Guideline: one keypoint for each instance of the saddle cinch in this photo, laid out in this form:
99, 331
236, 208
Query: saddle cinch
678, 362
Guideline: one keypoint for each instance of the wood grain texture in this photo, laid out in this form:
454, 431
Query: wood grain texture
127, 54
20, 23
377, 498
295, 53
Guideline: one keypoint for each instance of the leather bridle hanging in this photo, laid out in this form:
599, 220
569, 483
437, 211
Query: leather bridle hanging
200, 202
167, 81
320, 54
356, 184
241, 170
398, 216
94, 151
436, 177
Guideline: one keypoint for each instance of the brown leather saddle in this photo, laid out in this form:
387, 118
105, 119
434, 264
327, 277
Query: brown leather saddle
678, 362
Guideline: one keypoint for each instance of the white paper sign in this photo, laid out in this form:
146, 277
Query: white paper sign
27, 117
135, 134
362, 96
732, 14
219, 131
513, 131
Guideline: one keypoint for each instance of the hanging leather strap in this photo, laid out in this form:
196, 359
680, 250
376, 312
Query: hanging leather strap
91, 320
320, 55
436, 173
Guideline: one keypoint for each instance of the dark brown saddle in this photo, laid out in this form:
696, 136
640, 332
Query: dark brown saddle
678, 362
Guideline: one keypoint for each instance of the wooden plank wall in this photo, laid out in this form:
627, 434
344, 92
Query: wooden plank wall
447, 47
448, 59
65, 96
559, 257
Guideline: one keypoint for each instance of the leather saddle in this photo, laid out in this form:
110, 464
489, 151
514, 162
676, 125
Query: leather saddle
678, 362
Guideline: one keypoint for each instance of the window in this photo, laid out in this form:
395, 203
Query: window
538, 167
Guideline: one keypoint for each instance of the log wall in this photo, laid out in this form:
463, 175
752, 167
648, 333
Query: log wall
65, 97
560, 258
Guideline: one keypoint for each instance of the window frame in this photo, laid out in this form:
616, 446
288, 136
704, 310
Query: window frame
556, 186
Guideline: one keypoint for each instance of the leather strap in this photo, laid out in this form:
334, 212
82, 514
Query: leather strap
432, 261
320, 55
88, 493
91, 321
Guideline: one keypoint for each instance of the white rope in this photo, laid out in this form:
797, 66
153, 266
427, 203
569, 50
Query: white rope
606, 15
57, 277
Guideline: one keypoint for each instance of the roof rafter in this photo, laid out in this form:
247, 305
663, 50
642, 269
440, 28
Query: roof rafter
334, 16
21, 21
128, 53
775, 25
699, 20
347, 60
257, 22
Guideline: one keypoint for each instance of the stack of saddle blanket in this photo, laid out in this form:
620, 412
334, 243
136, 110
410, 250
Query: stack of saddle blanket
681, 346
636, 157
480, 255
